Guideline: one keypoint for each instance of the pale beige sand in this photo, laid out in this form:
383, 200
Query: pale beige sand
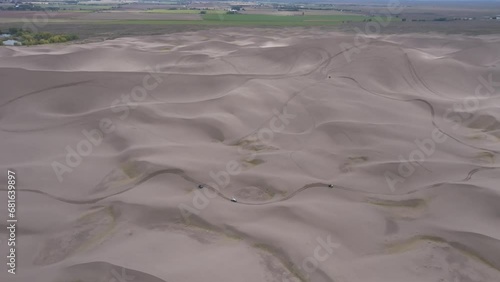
117, 212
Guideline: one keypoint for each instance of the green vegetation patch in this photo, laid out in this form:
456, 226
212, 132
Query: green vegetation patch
215, 18
169, 11
26, 37
296, 20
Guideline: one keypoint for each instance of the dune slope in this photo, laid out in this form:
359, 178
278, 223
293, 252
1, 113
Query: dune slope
379, 162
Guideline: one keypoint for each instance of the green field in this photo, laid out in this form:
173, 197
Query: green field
166, 11
275, 20
86, 28
250, 20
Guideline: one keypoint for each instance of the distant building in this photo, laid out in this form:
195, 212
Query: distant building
5, 35
11, 42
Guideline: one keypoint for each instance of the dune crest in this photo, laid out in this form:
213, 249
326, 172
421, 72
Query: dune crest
243, 154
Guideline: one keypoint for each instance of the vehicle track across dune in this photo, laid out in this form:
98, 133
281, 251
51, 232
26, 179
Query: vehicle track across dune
195, 183
293, 135
432, 112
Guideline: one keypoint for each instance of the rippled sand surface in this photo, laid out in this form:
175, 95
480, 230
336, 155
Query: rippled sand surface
321, 157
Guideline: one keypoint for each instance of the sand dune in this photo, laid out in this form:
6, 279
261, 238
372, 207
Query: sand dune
377, 163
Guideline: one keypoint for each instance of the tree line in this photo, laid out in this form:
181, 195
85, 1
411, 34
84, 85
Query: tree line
27, 37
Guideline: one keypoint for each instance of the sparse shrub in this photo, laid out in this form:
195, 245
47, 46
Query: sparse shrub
13, 30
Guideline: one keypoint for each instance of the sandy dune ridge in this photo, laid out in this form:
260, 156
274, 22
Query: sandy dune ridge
111, 140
